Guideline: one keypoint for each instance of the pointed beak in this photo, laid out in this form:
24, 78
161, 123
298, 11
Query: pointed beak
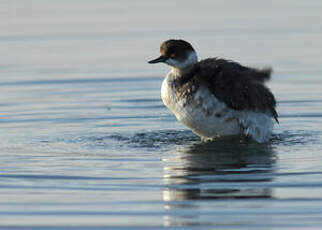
159, 59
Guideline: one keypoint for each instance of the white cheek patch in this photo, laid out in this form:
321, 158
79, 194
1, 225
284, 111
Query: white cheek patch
172, 62
190, 60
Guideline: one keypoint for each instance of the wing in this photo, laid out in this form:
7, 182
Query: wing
240, 87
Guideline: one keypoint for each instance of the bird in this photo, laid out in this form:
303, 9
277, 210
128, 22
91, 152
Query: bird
216, 97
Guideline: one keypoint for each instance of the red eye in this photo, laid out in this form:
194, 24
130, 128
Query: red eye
172, 55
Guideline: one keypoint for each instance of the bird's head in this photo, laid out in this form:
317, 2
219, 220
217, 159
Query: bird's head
179, 54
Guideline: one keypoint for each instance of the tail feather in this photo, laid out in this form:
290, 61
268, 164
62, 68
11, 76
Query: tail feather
275, 115
264, 74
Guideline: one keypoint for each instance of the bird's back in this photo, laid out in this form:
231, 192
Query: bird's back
239, 87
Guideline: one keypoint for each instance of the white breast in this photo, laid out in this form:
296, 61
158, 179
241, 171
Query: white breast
205, 114
209, 118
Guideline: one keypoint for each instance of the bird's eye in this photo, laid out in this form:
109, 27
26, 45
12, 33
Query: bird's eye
172, 55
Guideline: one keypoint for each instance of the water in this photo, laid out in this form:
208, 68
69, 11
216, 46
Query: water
86, 142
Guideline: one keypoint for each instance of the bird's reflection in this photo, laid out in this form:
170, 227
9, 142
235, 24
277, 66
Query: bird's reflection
219, 170
215, 170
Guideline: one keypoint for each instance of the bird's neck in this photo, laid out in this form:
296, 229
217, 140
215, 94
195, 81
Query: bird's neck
179, 72
182, 76
183, 67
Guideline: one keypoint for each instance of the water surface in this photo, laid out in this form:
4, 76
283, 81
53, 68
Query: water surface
86, 142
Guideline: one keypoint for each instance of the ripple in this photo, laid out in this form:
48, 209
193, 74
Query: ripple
167, 139
79, 81
300, 101
298, 137
159, 138
300, 115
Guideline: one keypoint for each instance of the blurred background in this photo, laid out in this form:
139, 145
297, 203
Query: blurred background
70, 39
